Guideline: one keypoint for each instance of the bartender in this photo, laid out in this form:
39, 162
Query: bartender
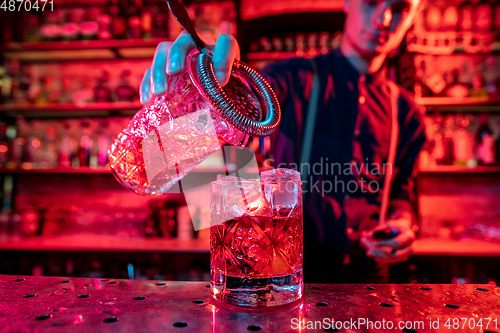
337, 128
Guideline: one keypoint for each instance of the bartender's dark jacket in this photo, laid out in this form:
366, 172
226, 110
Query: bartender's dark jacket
349, 148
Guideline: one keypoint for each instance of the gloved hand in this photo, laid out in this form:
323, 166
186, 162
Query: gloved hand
170, 59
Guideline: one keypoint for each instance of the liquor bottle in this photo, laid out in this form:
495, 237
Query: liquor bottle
433, 18
420, 88
497, 145
71, 26
85, 146
478, 89
31, 31
482, 16
228, 22
105, 24
324, 37
64, 158
466, 16
160, 21
496, 15
134, 20
5, 86
51, 30
147, 21
312, 43
447, 137
103, 144
4, 148
456, 88
124, 92
485, 143
90, 27
102, 93
463, 143
450, 18
119, 16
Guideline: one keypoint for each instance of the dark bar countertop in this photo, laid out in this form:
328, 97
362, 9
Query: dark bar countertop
55, 304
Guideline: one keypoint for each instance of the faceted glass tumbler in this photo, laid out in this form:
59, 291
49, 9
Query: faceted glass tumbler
256, 246
171, 135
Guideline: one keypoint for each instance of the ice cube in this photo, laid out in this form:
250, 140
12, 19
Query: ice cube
282, 187
254, 203
280, 174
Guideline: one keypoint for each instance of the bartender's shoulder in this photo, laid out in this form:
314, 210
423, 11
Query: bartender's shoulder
409, 103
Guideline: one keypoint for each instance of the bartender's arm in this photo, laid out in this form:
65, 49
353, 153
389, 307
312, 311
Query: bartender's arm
400, 216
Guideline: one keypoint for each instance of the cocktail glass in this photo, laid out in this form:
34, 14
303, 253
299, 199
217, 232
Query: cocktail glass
256, 245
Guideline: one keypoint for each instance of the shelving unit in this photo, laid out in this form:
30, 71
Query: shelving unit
467, 104
100, 243
73, 110
81, 50
457, 170
96, 170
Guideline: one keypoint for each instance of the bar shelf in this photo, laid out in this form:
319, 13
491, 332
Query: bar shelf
104, 243
90, 243
452, 169
62, 110
272, 56
81, 50
469, 104
468, 247
94, 170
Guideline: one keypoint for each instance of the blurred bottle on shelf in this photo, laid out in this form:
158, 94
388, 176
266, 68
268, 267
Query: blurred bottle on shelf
64, 158
463, 142
71, 28
447, 139
4, 147
102, 93
67, 90
125, 92
420, 87
456, 88
485, 142
85, 146
300, 44
433, 18
82, 93
105, 23
483, 15
185, 229
134, 20
277, 44
450, 18
90, 26
147, 20
6, 82
51, 29
478, 87
323, 42
160, 21
496, 15
31, 28
119, 17
466, 15
312, 43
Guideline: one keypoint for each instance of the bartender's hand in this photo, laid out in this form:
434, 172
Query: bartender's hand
170, 59
392, 250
